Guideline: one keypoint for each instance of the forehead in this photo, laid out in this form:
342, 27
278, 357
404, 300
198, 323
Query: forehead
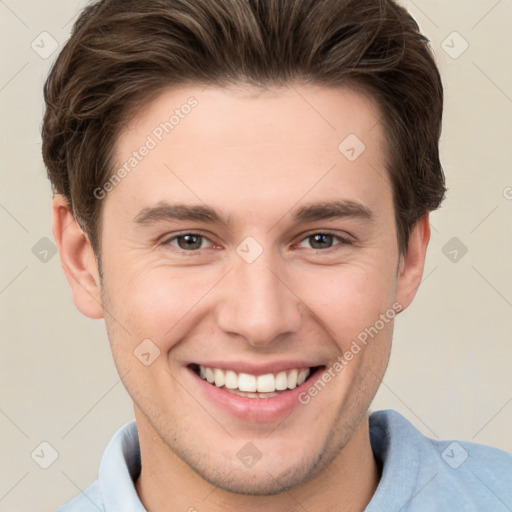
251, 147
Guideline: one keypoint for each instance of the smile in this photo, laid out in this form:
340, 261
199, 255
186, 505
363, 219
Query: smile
250, 392
254, 386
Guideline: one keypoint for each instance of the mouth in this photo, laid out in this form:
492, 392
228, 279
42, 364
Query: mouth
253, 393
248, 385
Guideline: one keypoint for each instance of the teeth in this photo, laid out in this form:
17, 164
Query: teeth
219, 377
265, 383
254, 386
301, 378
231, 380
246, 382
253, 395
292, 379
281, 381
210, 376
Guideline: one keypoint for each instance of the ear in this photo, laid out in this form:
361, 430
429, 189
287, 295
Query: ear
412, 263
77, 259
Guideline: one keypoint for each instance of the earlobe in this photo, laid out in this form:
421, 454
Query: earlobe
412, 262
77, 259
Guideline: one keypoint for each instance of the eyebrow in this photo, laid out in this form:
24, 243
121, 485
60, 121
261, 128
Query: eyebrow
331, 210
202, 213
167, 211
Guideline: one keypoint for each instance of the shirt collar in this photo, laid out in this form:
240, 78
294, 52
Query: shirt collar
119, 470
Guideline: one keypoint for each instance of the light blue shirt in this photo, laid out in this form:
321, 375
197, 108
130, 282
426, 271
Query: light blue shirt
418, 475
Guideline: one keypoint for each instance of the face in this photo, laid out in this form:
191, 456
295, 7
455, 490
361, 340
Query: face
251, 246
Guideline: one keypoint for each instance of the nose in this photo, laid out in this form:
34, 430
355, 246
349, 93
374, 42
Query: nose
258, 304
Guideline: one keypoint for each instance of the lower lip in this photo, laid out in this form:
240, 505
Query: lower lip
254, 409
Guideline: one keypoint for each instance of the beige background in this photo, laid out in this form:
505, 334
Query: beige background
451, 365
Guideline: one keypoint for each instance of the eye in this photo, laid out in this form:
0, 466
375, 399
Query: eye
321, 241
189, 241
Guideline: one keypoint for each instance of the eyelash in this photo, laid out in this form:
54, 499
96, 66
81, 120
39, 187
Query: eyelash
185, 233
341, 241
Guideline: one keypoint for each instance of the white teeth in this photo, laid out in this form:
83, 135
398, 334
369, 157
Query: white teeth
246, 382
265, 383
303, 375
253, 395
219, 377
292, 379
254, 386
281, 381
231, 381
210, 376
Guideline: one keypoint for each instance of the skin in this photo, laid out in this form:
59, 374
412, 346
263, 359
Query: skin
256, 157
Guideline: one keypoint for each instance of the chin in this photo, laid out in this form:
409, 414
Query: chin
268, 476
264, 481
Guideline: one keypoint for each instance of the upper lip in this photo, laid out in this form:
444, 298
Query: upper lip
257, 369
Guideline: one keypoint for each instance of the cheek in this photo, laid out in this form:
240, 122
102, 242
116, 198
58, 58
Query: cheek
349, 298
155, 302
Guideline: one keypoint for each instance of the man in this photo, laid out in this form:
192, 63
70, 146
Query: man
243, 192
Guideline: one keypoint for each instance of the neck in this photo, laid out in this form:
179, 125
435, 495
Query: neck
167, 484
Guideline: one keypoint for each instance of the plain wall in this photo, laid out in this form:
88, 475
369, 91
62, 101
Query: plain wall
450, 370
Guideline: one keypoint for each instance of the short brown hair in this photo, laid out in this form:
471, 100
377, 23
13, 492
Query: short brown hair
124, 52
